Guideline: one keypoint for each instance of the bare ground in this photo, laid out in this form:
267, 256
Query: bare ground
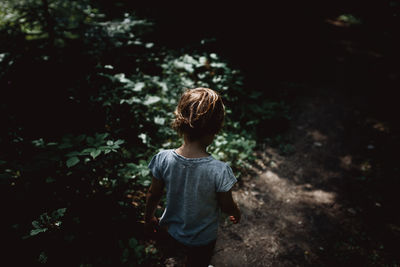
330, 201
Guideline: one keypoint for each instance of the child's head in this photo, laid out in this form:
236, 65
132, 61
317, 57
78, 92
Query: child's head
200, 112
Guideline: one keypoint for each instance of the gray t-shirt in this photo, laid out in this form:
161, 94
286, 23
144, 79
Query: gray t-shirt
191, 213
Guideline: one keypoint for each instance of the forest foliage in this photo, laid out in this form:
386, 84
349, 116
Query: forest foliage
87, 98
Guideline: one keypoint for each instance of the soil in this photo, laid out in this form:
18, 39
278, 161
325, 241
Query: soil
329, 200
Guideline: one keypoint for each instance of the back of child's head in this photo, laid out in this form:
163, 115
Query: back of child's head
200, 112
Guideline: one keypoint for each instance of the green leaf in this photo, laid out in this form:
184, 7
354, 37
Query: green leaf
145, 182
50, 180
159, 120
37, 231
110, 143
234, 151
133, 242
144, 172
90, 140
44, 217
102, 136
151, 100
87, 151
52, 144
143, 163
95, 153
72, 161
119, 142
66, 144
36, 224
58, 213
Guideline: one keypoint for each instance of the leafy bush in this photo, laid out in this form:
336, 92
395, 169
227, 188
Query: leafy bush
46, 222
96, 167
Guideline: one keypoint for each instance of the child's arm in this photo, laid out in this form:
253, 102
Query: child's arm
153, 197
229, 206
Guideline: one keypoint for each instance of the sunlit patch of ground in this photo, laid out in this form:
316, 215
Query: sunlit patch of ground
273, 214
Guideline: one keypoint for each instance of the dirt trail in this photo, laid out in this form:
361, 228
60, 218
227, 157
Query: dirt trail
311, 207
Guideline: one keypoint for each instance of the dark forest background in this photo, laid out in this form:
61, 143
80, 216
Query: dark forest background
88, 88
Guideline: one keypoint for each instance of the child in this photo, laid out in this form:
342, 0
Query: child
197, 186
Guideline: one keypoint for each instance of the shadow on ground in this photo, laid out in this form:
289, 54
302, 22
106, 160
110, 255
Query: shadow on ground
330, 202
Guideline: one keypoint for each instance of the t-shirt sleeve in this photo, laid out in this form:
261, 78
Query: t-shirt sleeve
155, 167
226, 180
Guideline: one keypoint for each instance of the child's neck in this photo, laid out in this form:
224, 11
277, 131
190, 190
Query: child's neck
193, 149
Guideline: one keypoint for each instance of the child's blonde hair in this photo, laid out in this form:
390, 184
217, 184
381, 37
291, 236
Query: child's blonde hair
200, 111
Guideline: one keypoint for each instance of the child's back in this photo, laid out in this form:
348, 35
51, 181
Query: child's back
192, 210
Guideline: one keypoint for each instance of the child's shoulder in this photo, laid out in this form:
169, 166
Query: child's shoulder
163, 153
219, 165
